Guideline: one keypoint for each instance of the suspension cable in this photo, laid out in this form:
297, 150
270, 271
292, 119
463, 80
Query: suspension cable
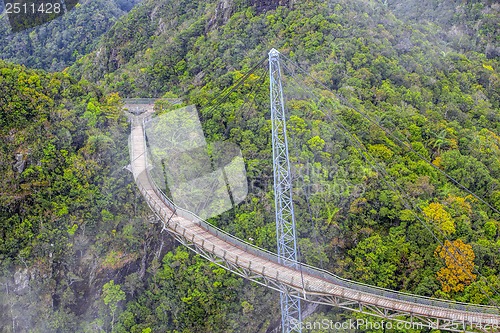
354, 140
391, 134
219, 99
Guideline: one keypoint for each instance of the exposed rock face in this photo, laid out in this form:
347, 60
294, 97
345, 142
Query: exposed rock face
492, 52
222, 13
265, 5
21, 280
20, 164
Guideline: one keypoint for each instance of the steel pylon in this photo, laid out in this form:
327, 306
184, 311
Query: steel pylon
285, 219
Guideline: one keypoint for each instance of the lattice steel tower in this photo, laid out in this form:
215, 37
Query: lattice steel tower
285, 219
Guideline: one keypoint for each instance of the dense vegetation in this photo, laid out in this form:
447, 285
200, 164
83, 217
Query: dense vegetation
439, 95
469, 25
72, 224
68, 213
57, 44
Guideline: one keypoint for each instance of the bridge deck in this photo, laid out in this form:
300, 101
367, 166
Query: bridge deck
302, 281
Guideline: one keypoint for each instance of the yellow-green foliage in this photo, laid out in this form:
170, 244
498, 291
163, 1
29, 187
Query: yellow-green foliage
437, 215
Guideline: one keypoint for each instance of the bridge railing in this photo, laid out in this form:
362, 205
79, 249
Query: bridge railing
302, 268
330, 277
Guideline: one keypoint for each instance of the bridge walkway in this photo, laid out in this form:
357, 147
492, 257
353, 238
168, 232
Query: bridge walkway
308, 283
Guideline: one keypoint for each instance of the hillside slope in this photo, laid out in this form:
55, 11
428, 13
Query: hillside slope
467, 25
76, 238
438, 94
441, 98
57, 44
69, 217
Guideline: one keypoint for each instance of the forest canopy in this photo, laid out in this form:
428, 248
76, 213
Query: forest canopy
395, 146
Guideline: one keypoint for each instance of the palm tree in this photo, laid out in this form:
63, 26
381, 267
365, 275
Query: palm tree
440, 141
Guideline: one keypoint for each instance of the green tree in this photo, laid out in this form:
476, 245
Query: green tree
459, 261
112, 294
439, 217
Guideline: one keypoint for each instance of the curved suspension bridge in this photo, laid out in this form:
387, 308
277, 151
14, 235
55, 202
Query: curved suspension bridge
305, 282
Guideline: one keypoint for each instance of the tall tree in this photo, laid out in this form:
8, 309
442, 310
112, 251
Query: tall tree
459, 260
112, 294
